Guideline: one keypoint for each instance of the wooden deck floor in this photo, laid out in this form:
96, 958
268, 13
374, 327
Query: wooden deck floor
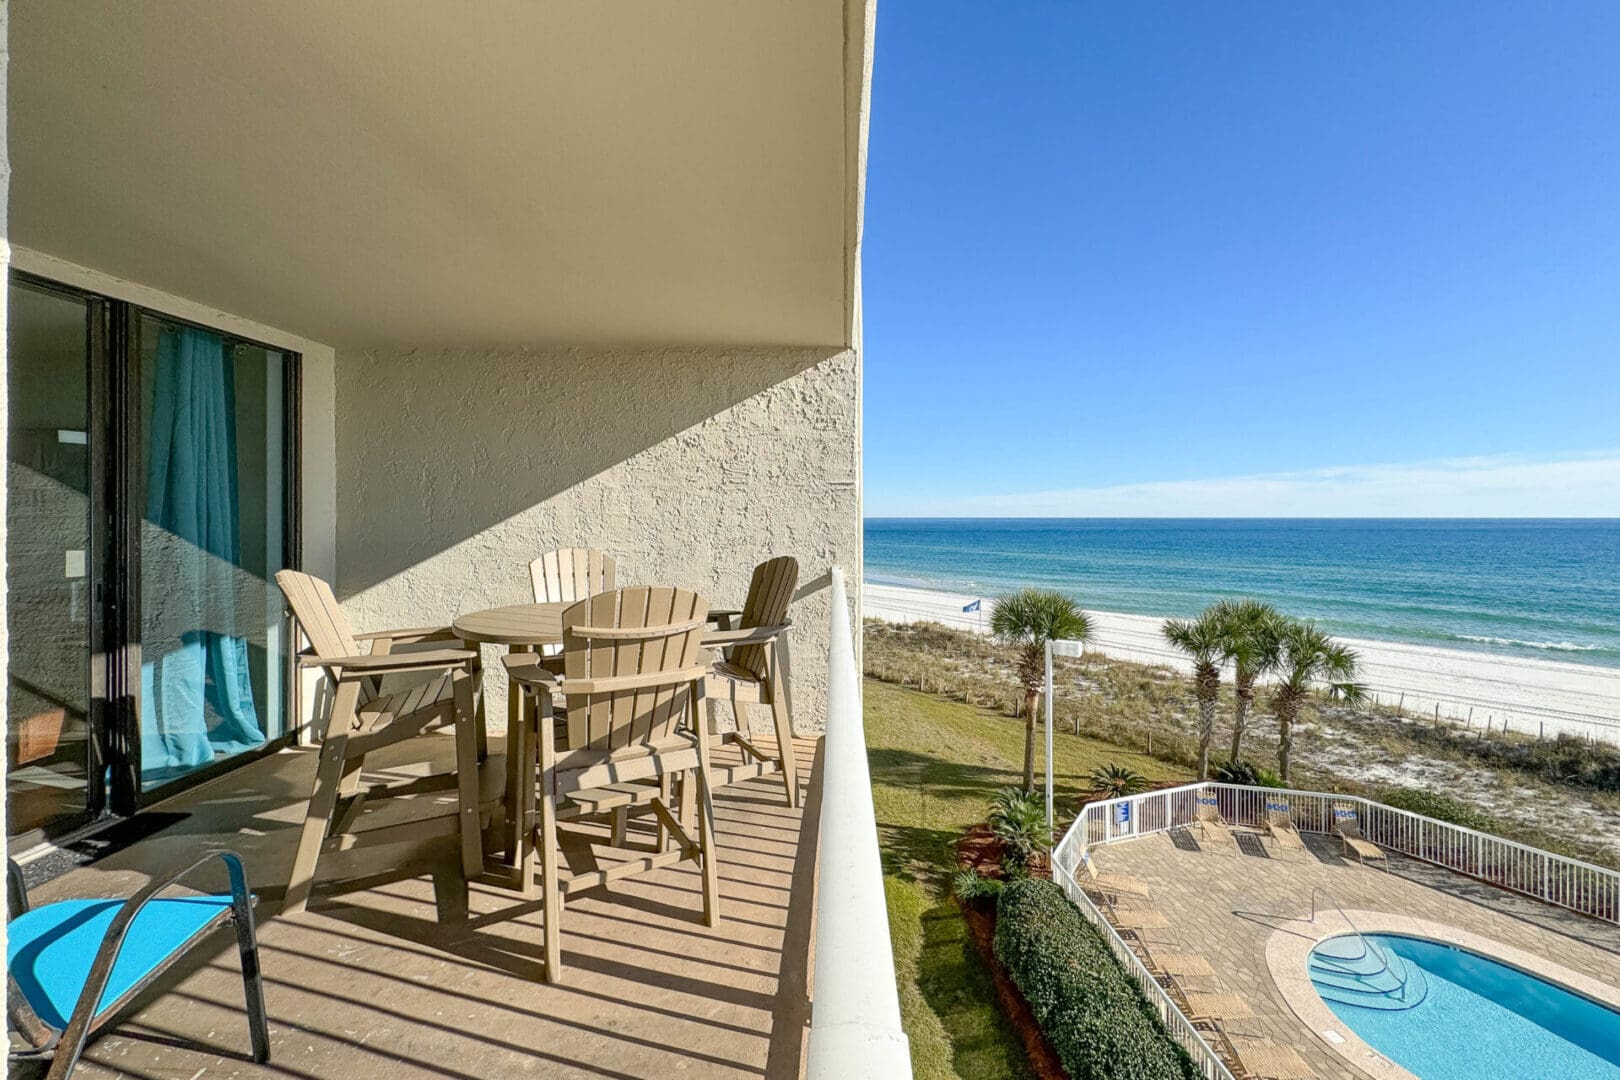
371, 982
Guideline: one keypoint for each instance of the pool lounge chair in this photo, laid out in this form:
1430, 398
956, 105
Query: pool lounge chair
1280, 827
1213, 831
1262, 1059
1171, 967
1215, 1009
1136, 920
1347, 827
1110, 885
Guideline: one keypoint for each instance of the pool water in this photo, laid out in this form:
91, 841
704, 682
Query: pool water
1444, 1013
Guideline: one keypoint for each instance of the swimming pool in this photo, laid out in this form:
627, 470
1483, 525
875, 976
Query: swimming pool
1444, 1013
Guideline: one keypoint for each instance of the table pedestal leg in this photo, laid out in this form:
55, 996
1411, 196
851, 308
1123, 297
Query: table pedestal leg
520, 779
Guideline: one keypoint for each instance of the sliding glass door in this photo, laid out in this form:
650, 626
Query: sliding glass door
50, 737
152, 498
213, 634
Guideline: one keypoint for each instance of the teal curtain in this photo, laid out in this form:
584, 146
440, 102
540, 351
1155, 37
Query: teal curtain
196, 690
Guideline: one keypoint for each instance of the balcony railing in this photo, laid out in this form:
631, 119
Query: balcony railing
855, 1030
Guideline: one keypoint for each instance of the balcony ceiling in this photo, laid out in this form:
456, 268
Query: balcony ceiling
511, 172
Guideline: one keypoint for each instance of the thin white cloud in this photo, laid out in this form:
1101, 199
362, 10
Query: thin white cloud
1576, 485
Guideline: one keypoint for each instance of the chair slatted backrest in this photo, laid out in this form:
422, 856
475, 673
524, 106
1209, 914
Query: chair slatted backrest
640, 650
769, 594
569, 574
318, 614
1346, 821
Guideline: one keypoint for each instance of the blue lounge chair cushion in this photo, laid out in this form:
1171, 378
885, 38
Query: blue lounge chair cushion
50, 949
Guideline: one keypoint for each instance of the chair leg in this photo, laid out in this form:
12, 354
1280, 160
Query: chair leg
776, 694
253, 985
550, 852
467, 776
662, 837
705, 815
317, 819
688, 804
706, 845
621, 827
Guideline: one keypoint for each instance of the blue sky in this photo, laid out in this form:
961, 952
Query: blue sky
1231, 258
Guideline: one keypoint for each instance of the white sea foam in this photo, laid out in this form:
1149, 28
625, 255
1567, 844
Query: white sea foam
1556, 646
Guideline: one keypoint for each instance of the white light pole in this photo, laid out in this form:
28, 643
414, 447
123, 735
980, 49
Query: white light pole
1059, 647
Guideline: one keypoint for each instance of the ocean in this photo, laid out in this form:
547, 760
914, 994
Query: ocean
1548, 589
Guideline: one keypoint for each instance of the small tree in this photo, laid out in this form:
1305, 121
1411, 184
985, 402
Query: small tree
1307, 656
1250, 631
1029, 619
1115, 781
1204, 640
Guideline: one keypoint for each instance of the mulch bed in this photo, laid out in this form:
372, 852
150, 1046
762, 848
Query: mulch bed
979, 850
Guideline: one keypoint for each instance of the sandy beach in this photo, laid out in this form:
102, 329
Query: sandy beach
1537, 697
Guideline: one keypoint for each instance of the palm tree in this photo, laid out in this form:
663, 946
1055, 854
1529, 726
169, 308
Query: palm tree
1029, 619
1204, 640
1307, 656
1251, 631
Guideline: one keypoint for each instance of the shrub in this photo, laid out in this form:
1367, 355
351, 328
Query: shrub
1091, 1011
970, 887
1018, 820
1115, 781
1268, 778
1247, 772
1440, 807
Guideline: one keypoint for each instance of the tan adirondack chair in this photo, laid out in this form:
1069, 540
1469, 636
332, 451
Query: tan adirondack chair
343, 814
571, 574
753, 669
632, 687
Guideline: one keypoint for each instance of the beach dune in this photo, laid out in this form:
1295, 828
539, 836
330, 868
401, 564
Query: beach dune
1535, 697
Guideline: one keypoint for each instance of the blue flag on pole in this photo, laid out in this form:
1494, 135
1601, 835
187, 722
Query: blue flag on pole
973, 606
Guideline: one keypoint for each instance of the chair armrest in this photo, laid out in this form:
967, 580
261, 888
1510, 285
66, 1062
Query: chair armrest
391, 663
525, 668
725, 618
77, 1032
754, 635
410, 635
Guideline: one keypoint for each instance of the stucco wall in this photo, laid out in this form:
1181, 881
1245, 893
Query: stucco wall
689, 465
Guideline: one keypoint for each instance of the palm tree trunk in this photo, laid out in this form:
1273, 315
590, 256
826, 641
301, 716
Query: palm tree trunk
1244, 701
1288, 703
1029, 741
1206, 735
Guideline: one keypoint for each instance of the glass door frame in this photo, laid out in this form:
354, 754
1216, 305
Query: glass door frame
114, 559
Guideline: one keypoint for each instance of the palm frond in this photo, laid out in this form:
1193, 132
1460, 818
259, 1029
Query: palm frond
1036, 616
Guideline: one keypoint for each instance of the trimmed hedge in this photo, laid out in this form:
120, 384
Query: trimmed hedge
1090, 1010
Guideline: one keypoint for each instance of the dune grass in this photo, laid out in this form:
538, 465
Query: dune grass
935, 764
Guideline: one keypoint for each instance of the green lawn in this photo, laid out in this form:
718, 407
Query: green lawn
934, 766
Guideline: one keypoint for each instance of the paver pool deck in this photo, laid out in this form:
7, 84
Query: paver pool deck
1235, 908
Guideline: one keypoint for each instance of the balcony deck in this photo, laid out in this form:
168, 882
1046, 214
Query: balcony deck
369, 983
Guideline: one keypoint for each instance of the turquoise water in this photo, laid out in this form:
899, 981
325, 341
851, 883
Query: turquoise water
1480, 1020
1545, 589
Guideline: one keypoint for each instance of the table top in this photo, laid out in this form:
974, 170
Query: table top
519, 624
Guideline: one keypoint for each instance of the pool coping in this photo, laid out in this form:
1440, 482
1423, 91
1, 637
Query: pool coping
1288, 953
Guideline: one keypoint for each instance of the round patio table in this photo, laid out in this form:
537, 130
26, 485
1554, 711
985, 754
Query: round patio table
524, 628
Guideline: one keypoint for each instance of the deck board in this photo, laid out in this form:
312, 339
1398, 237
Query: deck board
369, 983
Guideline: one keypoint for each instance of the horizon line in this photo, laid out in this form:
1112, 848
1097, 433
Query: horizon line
1224, 517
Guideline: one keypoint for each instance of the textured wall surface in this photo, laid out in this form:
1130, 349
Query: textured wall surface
689, 465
